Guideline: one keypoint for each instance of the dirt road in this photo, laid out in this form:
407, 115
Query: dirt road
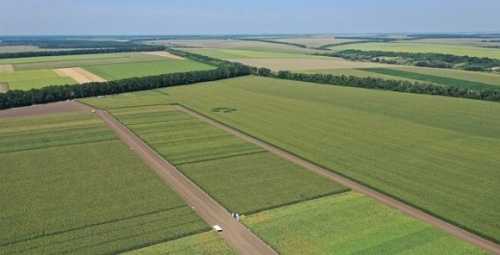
235, 234
409, 210
41, 109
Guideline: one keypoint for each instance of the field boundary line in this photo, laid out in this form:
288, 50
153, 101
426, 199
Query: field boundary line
236, 235
386, 199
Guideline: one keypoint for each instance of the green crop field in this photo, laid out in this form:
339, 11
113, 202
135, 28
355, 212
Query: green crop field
69, 186
437, 153
453, 49
351, 223
205, 243
247, 53
24, 80
52, 62
427, 78
240, 175
358, 73
480, 77
129, 70
34, 72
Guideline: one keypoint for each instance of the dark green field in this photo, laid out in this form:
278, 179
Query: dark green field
69, 186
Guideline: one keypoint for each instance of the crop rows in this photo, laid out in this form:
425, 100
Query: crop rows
83, 192
436, 153
351, 223
240, 175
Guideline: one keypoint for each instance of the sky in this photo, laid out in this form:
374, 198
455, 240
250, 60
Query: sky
172, 17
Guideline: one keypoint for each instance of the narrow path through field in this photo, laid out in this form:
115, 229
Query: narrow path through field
78, 74
236, 234
385, 199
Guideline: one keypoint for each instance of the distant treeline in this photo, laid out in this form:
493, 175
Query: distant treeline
130, 48
67, 44
17, 98
383, 84
436, 60
275, 42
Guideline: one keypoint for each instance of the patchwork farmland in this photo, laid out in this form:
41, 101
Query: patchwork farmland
81, 191
38, 72
232, 145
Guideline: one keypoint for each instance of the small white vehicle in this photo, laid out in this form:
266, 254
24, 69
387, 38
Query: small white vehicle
217, 228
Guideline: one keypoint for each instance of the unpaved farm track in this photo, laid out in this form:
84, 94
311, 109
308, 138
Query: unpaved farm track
78, 74
42, 109
385, 199
235, 234
163, 54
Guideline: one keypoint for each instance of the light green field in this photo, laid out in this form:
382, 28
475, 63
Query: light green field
25, 80
33, 72
454, 49
241, 176
141, 69
205, 243
351, 223
437, 153
357, 73
246, 53
70, 186
487, 78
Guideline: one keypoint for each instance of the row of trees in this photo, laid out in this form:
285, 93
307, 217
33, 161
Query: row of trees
16, 98
435, 60
383, 84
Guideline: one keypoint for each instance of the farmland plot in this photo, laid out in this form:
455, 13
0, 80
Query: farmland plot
69, 186
351, 223
24, 80
437, 153
239, 175
205, 243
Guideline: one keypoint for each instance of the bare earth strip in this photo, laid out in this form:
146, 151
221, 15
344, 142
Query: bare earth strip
42, 109
235, 234
385, 199
78, 74
6, 68
163, 54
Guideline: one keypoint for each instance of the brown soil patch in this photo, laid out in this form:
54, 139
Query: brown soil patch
4, 87
42, 109
163, 54
302, 64
6, 68
80, 75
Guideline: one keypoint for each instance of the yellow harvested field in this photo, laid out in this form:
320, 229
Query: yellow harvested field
6, 68
78, 74
163, 54
300, 64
